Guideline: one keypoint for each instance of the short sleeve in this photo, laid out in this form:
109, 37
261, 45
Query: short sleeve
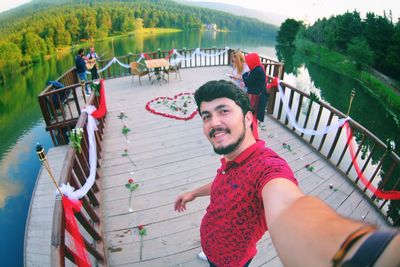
274, 167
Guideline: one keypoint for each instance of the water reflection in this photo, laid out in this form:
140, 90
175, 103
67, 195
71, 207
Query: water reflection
8, 188
19, 169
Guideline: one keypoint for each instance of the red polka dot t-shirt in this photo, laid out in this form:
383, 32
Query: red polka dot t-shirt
235, 219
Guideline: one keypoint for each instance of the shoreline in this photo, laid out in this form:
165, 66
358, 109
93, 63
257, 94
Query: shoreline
145, 31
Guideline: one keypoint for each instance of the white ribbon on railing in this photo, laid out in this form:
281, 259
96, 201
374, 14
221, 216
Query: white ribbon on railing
140, 58
126, 66
174, 62
115, 60
196, 52
292, 120
91, 126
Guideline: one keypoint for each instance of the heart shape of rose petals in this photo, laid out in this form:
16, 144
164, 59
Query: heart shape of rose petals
180, 107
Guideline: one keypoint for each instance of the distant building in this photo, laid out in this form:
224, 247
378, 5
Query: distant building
210, 27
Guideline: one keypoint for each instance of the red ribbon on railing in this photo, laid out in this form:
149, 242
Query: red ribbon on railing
169, 54
273, 83
392, 194
79, 251
146, 56
101, 110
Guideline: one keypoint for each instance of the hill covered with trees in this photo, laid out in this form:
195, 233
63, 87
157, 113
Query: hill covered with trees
373, 41
367, 49
38, 28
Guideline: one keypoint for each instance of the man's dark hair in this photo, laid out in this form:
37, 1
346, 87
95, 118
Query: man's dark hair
80, 51
218, 89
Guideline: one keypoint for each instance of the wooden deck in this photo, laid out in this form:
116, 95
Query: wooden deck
172, 156
169, 157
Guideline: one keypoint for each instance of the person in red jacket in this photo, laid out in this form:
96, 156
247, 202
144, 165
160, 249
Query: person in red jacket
255, 82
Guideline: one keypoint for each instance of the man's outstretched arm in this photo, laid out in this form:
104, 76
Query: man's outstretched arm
180, 202
306, 231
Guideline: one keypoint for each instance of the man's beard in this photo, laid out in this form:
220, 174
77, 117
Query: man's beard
232, 147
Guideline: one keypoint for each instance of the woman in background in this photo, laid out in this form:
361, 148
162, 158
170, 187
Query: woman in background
239, 68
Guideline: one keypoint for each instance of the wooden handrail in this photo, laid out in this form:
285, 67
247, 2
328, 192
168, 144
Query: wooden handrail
90, 219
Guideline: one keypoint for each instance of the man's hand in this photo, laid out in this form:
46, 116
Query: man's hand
180, 202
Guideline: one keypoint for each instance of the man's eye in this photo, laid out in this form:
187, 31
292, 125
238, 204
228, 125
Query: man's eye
206, 117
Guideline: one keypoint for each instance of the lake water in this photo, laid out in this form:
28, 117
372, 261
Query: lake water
21, 124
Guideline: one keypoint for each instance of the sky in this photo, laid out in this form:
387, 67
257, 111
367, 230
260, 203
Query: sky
308, 10
9, 4
313, 9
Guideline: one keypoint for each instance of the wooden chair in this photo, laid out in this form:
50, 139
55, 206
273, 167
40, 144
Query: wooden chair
174, 68
136, 69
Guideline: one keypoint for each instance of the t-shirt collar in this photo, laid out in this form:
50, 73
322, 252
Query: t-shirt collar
242, 156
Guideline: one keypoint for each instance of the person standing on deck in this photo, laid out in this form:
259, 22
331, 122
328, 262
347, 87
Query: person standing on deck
255, 81
255, 190
239, 67
92, 57
80, 65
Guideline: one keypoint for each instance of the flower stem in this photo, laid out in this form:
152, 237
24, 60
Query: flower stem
130, 198
129, 157
141, 247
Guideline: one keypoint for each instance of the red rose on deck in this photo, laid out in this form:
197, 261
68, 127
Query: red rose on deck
142, 230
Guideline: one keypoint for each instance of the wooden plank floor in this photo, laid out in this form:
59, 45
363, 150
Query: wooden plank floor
172, 156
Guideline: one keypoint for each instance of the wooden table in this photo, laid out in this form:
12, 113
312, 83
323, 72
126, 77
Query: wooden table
157, 64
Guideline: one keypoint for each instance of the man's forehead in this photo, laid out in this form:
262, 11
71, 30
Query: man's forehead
217, 103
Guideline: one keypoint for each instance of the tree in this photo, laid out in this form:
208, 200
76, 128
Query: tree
348, 27
72, 25
10, 57
393, 52
33, 47
138, 24
287, 32
378, 31
360, 52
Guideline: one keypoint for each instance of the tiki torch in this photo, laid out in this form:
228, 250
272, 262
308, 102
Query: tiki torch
353, 93
43, 159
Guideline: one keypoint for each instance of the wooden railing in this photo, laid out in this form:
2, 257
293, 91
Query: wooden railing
61, 108
379, 164
75, 170
273, 68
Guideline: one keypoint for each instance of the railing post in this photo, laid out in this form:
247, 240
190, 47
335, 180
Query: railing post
229, 56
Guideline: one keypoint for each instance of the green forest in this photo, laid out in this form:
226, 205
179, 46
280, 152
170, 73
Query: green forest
367, 50
39, 28
370, 42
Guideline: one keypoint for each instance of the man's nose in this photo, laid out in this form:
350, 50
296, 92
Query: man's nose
215, 121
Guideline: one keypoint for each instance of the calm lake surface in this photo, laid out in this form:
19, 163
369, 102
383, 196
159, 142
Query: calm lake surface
21, 124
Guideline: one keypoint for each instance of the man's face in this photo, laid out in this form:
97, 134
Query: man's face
92, 50
223, 124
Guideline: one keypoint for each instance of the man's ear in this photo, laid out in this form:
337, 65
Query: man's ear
248, 118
